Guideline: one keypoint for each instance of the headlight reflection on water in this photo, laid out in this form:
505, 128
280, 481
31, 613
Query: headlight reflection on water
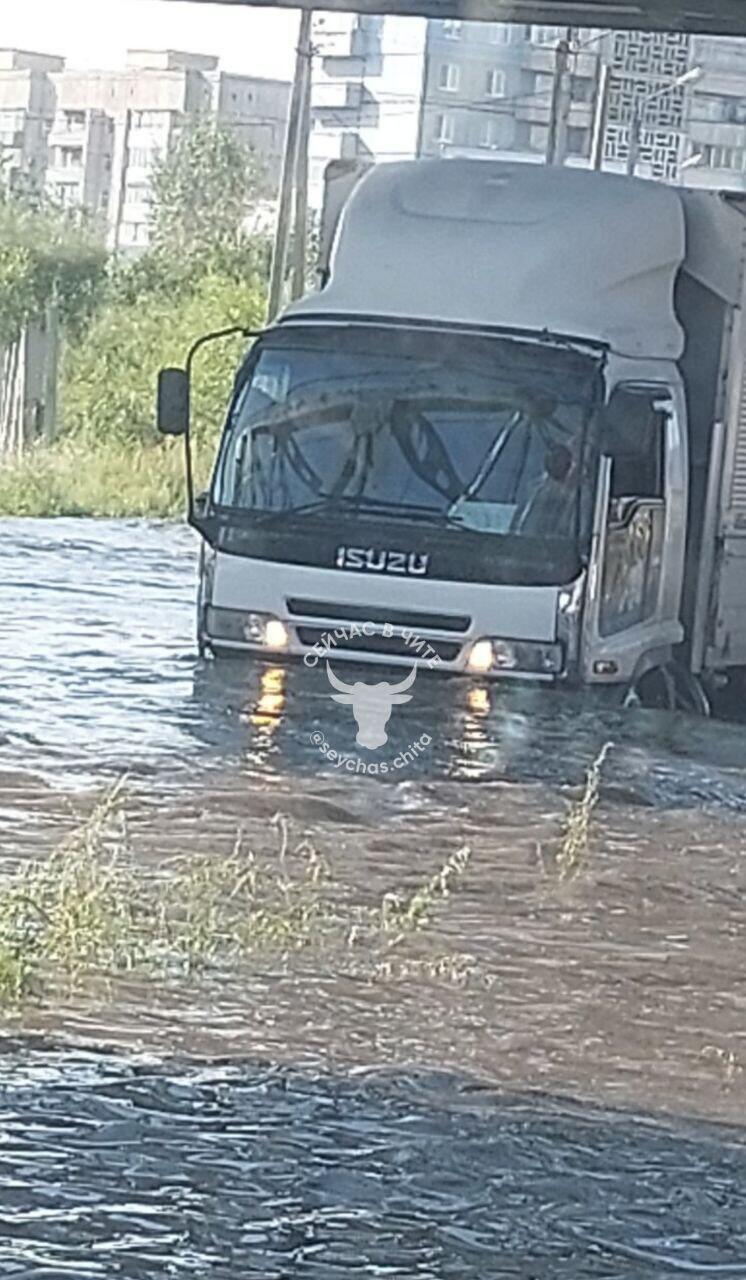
265, 715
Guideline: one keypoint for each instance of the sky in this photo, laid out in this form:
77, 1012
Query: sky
96, 33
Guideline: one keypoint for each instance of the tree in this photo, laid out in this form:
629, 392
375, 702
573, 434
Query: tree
45, 255
202, 191
108, 390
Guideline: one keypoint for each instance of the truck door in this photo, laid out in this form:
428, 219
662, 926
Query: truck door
719, 640
635, 571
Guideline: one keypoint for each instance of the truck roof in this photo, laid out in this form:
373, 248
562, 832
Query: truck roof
583, 254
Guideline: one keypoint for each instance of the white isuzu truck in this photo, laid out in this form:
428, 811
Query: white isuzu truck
510, 422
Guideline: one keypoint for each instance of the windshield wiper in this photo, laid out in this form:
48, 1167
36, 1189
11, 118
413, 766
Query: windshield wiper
415, 512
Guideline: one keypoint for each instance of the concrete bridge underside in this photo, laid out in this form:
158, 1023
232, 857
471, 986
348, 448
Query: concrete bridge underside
711, 17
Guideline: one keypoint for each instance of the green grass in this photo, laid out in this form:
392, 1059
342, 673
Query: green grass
116, 480
573, 848
91, 909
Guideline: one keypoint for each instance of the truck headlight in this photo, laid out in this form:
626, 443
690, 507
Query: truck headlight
256, 628
523, 657
276, 634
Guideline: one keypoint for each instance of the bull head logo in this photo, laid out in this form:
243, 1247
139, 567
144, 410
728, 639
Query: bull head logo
371, 705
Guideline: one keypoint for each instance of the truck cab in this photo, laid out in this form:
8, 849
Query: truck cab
490, 428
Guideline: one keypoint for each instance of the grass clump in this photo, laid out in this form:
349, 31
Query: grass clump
91, 909
401, 914
76, 909
574, 842
238, 905
116, 480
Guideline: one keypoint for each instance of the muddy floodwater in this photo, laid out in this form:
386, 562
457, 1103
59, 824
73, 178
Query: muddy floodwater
546, 1080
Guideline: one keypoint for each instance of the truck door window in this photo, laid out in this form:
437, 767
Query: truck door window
634, 438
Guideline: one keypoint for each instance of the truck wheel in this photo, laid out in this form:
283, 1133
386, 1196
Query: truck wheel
690, 692
203, 648
668, 688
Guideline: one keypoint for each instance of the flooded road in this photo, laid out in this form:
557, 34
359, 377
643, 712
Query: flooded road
547, 1080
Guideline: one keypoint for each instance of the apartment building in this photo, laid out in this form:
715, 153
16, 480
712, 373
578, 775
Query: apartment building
367, 86
145, 104
487, 88
79, 147
26, 112
714, 153
92, 137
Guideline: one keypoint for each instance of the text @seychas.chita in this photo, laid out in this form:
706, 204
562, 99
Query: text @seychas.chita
371, 703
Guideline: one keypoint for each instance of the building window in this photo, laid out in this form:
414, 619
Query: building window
12, 120
68, 157
708, 107
733, 158
449, 77
149, 119
137, 193
138, 232
488, 134
499, 33
576, 141
452, 29
495, 83
581, 89
444, 131
139, 158
546, 35
73, 119
66, 195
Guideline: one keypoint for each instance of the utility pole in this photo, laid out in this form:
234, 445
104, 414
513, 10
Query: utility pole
600, 115
560, 108
289, 161
300, 232
633, 149
51, 368
121, 191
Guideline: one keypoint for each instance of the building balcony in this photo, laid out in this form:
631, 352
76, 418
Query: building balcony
65, 172
63, 135
338, 104
336, 43
530, 111
543, 58
706, 133
367, 116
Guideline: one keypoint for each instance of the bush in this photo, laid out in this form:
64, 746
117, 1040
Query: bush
109, 380
73, 478
45, 255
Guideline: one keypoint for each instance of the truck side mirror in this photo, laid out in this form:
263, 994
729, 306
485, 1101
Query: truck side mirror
173, 402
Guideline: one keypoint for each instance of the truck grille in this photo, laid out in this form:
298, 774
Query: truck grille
391, 646
379, 615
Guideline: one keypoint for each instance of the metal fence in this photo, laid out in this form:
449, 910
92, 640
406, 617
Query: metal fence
28, 387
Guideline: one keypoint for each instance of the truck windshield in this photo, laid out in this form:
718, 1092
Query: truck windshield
467, 432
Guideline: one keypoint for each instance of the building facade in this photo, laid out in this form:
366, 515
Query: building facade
367, 84
27, 109
92, 137
715, 146
488, 88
